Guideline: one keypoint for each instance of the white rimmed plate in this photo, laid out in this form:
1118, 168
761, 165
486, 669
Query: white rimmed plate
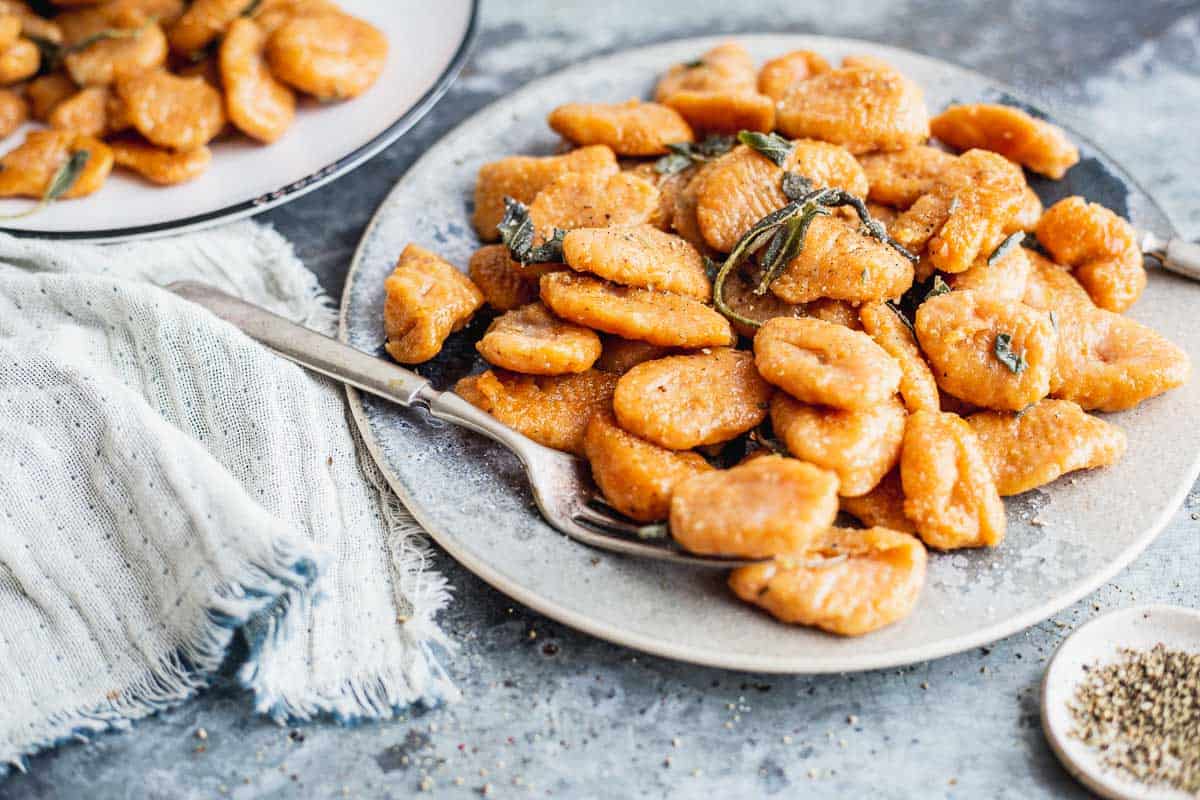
428, 44
472, 498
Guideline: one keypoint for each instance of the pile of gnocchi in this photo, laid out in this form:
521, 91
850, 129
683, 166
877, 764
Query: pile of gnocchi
146, 84
773, 295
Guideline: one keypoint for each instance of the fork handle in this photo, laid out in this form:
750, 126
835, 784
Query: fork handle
1176, 255
310, 349
343, 363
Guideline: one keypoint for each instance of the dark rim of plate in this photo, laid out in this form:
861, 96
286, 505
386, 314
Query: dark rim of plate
296, 188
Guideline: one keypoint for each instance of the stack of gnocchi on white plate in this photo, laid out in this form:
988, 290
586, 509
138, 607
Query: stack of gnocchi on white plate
146, 85
774, 294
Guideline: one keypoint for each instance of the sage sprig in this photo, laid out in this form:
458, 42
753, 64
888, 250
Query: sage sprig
517, 233
1015, 362
780, 237
771, 145
60, 183
683, 154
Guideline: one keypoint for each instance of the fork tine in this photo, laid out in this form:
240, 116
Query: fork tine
590, 515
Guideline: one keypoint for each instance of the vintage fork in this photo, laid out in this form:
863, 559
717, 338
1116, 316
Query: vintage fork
561, 483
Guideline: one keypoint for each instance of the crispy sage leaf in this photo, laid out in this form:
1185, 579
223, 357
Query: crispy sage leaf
516, 231
683, 154
1015, 362
939, 287
1006, 246
795, 185
61, 182
771, 145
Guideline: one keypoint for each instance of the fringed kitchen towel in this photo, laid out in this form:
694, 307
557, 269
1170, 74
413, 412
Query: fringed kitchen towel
165, 483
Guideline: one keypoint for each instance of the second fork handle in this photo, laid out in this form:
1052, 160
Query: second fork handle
1176, 255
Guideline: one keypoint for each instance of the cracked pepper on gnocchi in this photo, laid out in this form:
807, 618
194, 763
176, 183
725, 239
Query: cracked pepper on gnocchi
146, 85
768, 297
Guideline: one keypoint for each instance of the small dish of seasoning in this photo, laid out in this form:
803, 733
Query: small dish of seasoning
1121, 704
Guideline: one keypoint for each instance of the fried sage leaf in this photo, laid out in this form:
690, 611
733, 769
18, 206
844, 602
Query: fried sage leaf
516, 231
1015, 362
62, 181
683, 154
1005, 247
771, 145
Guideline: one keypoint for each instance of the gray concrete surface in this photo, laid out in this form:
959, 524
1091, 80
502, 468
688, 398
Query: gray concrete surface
549, 712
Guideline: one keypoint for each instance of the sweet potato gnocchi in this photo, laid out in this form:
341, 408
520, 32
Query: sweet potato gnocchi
745, 333
158, 80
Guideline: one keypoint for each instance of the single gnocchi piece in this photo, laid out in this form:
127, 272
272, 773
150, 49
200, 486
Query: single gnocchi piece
533, 341
992, 353
29, 169
860, 446
1043, 442
47, 91
687, 401
522, 177
861, 109
917, 385
619, 355
1100, 247
10, 28
743, 186
427, 300
592, 200
257, 104
883, 506
727, 67
718, 92
823, 363
18, 61
1011, 132
635, 476
899, 178
965, 215
172, 112
632, 128
552, 410
330, 56
723, 111
638, 255
141, 47
949, 492
14, 111
202, 23
503, 283
1051, 287
1108, 362
778, 74
763, 507
841, 262
850, 582
84, 112
160, 166
1004, 277
660, 318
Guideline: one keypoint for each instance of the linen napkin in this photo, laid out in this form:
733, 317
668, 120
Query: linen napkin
165, 484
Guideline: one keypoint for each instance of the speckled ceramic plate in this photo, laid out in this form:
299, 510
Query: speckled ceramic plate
428, 44
472, 498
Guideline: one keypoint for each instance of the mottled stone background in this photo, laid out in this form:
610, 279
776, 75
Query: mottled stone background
548, 712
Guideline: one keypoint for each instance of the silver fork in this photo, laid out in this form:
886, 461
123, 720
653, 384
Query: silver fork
561, 483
